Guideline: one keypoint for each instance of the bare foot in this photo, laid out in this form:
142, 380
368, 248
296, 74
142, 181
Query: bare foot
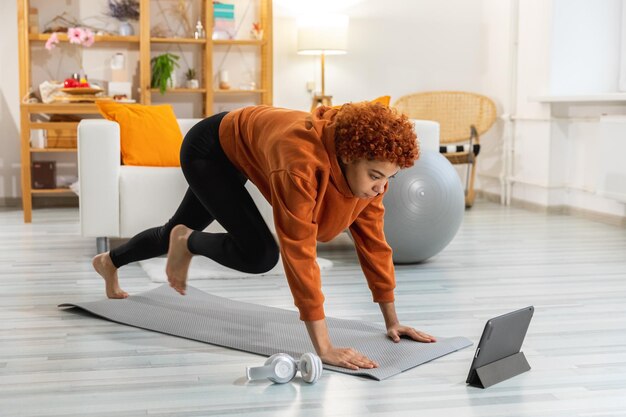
178, 258
104, 266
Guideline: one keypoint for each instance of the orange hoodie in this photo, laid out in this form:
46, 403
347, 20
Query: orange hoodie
290, 156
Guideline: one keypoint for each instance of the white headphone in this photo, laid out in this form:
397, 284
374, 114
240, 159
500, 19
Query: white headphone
281, 368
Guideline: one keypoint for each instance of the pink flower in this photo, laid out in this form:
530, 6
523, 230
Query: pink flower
75, 35
52, 41
89, 38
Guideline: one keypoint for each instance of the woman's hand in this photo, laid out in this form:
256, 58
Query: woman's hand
347, 358
344, 357
396, 330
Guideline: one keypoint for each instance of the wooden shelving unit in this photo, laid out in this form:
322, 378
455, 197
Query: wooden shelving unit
144, 42
43, 37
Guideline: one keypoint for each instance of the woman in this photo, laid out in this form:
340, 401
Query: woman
321, 172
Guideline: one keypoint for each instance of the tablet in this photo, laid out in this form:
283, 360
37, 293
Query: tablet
502, 337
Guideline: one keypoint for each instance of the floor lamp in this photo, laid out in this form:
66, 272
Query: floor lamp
322, 35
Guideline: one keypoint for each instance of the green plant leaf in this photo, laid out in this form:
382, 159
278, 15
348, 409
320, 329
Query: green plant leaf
162, 69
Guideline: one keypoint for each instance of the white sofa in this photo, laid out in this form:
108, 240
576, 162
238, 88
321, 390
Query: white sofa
118, 201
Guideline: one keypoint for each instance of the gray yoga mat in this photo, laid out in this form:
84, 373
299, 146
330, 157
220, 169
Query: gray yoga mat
264, 330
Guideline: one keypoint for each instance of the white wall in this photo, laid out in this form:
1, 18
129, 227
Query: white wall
585, 46
9, 105
559, 156
395, 47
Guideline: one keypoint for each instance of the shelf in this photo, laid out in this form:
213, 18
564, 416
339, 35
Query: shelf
178, 40
54, 125
180, 90
52, 150
61, 108
52, 191
239, 42
238, 91
43, 37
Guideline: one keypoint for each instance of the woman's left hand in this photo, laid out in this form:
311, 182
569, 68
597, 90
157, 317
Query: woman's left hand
395, 331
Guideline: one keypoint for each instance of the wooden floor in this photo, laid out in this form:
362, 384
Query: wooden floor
55, 363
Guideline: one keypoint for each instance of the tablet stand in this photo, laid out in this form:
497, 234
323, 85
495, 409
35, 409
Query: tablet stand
500, 370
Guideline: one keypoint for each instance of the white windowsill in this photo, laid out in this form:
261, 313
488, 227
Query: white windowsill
583, 98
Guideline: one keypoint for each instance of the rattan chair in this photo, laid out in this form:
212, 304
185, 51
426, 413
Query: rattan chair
462, 117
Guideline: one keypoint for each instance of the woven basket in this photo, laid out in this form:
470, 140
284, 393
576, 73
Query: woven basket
455, 111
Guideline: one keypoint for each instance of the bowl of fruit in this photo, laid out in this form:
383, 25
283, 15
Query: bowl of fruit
74, 86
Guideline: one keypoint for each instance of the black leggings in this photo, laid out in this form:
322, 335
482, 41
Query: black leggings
216, 192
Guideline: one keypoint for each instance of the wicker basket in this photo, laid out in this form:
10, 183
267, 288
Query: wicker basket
456, 112
61, 138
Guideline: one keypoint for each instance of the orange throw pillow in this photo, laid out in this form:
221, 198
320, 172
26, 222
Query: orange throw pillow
384, 100
150, 135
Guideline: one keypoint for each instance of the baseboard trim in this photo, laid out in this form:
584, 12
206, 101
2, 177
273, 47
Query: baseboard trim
609, 219
41, 202
595, 216
10, 202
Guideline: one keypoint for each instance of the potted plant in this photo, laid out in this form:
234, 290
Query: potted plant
192, 81
163, 71
124, 10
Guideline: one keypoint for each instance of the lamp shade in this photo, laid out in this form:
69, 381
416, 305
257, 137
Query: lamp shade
327, 34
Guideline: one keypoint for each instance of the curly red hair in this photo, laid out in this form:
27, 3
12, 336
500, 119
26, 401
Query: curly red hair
375, 132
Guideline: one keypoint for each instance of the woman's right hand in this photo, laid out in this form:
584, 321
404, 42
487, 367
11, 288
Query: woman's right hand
347, 358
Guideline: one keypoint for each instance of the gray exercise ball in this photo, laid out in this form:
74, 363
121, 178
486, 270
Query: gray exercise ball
424, 207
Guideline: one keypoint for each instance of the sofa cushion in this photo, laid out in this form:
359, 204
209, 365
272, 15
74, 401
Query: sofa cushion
149, 196
150, 135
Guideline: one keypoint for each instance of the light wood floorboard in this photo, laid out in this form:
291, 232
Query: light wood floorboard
54, 363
